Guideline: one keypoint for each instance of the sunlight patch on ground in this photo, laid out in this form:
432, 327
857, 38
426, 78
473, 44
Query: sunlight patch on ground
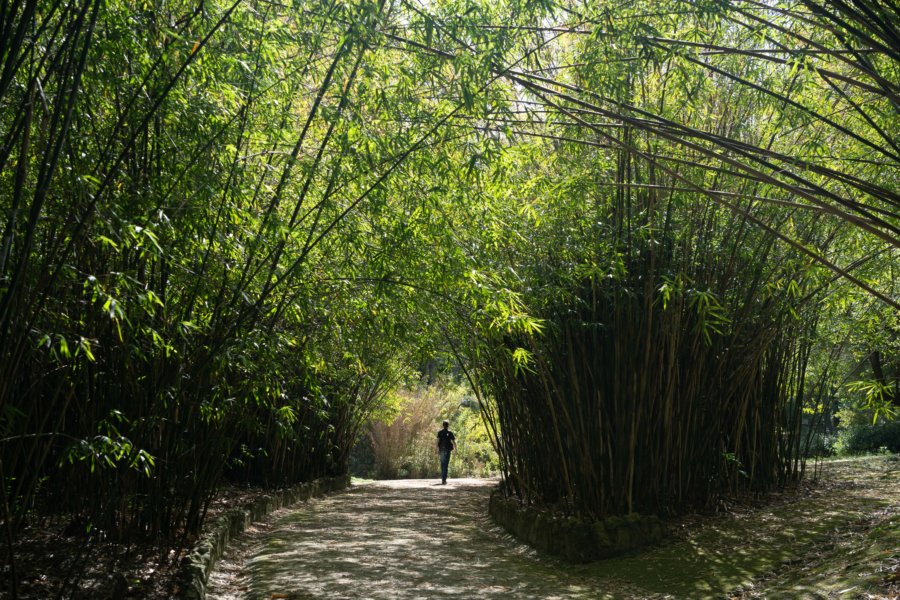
419, 539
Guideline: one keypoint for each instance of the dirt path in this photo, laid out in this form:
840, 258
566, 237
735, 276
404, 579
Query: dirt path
416, 539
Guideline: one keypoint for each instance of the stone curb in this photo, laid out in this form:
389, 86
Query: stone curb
572, 539
211, 546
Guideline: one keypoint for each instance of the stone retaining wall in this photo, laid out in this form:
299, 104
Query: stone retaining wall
212, 544
572, 539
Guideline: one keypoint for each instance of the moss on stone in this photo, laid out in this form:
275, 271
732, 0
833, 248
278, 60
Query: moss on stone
570, 538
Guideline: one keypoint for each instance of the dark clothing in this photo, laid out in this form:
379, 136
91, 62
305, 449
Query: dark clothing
445, 440
445, 447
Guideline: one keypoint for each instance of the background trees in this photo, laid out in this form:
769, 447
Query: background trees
402, 444
652, 234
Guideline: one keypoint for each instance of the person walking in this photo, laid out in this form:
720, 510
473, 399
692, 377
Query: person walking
446, 443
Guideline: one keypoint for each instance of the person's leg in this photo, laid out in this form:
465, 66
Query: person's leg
445, 462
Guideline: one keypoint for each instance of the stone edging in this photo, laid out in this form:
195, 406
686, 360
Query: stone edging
572, 539
211, 546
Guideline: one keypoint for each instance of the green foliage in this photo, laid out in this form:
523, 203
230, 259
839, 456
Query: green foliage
656, 218
228, 228
215, 227
860, 431
878, 396
867, 438
405, 446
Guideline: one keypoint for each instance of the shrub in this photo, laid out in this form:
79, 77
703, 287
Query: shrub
860, 438
820, 444
393, 442
405, 447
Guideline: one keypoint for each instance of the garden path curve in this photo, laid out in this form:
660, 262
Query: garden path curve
419, 539
391, 539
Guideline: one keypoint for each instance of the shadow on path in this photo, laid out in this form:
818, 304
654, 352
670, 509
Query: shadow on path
418, 539
393, 539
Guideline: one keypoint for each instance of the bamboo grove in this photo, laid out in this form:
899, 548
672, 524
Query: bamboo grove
195, 216
724, 161
230, 227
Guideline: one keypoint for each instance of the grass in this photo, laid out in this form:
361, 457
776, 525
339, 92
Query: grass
840, 538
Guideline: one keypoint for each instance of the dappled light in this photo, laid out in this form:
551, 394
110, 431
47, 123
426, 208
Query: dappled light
415, 538
643, 255
409, 538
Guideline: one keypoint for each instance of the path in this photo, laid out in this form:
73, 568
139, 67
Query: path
416, 539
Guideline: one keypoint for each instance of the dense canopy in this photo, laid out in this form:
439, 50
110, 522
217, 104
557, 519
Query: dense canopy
660, 239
